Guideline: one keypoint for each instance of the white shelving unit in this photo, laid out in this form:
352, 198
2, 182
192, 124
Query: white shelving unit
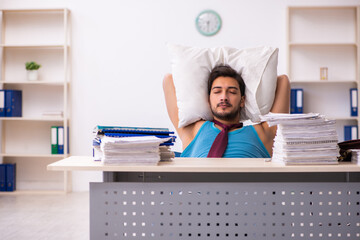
325, 37
41, 35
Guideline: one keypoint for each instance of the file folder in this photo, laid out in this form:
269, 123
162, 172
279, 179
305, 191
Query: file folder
2, 177
13, 103
139, 135
68, 141
60, 139
350, 132
54, 140
101, 130
296, 100
353, 102
2, 103
10, 177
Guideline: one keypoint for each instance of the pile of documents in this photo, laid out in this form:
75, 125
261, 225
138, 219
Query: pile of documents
303, 139
132, 145
355, 156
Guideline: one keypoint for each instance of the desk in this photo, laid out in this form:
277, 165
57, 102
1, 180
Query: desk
222, 199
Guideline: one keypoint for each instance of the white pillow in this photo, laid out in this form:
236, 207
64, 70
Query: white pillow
191, 67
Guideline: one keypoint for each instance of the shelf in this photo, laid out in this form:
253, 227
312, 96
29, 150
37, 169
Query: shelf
325, 36
324, 81
319, 44
43, 36
45, 119
40, 82
305, 62
41, 46
33, 155
343, 118
320, 7
31, 192
60, 10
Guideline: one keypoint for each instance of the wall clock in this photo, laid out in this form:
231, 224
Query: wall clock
208, 23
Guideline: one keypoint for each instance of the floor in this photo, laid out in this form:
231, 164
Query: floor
44, 216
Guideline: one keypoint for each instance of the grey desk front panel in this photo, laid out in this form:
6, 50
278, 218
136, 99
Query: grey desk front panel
231, 177
225, 210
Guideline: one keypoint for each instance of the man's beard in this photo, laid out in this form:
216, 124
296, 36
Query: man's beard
227, 116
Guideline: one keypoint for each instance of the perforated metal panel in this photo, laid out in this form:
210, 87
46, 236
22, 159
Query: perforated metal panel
225, 210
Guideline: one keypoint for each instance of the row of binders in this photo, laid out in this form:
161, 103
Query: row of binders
10, 103
7, 177
57, 140
132, 145
304, 139
297, 101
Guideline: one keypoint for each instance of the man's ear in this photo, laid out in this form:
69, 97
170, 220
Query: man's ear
242, 101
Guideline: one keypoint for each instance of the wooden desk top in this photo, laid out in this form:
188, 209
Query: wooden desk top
221, 165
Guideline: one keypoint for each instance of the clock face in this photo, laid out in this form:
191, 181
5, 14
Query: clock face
208, 23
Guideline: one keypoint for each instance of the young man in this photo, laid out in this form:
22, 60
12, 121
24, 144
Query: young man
226, 98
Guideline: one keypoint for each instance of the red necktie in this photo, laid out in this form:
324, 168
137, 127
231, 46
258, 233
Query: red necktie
220, 143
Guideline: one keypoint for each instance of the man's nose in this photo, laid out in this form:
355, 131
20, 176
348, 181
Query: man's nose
224, 97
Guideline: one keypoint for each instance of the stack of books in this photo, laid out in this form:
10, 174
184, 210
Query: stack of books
132, 145
304, 139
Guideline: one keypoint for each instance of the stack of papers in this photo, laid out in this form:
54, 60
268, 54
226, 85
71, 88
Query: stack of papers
355, 156
166, 154
144, 150
303, 139
49, 114
132, 145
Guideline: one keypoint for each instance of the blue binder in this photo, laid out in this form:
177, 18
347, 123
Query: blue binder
296, 100
350, 132
2, 177
353, 102
13, 103
10, 177
101, 130
2, 103
60, 140
68, 141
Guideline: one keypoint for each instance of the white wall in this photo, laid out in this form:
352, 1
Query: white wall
119, 54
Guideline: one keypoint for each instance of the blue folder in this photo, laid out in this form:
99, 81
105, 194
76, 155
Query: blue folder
2, 177
2, 103
350, 132
60, 139
13, 103
167, 143
10, 177
132, 130
138, 135
296, 100
353, 102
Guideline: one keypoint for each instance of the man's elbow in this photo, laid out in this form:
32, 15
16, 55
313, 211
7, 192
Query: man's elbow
283, 79
283, 84
167, 81
282, 95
